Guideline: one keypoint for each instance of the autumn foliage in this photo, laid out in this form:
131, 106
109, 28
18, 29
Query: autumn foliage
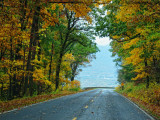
37, 38
134, 28
146, 97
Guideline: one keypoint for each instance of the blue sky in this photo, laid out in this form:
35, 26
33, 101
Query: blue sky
102, 71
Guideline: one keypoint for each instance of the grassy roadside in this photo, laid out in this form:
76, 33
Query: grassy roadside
147, 99
22, 102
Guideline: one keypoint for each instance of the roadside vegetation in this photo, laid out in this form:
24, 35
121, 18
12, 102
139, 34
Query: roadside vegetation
147, 98
43, 44
19, 103
134, 27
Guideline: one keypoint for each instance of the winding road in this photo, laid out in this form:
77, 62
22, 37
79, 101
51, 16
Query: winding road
97, 104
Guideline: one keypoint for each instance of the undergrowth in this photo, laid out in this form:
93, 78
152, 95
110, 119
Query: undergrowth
147, 98
25, 101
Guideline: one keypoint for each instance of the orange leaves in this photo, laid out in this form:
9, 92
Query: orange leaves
53, 6
81, 10
48, 19
75, 84
38, 75
25, 49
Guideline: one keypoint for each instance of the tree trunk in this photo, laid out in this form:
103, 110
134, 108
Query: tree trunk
157, 76
2, 95
23, 15
32, 47
146, 70
58, 68
74, 69
10, 77
25, 81
39, 51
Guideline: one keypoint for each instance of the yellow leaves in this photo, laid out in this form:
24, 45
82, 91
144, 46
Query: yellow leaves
116, 37
140, 68
60, 6
86, 106
136, 51
105, 1
67, 60
75, 118
130, 43
149, 95
126, 11
47, 82
108, 12
69, 57
48, 18
53, 6
140, 76
38, 75
139, 30
75, 84
134, 57
89, 19
81, 10
102, 2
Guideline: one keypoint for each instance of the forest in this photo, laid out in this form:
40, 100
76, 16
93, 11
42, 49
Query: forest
134, 27
43, 44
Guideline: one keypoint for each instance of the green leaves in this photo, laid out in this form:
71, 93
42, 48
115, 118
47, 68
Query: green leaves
134, 29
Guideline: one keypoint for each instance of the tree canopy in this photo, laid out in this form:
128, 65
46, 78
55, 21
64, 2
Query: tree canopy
134, 28
38, 42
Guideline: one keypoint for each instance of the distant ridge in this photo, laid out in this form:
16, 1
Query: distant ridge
85, 88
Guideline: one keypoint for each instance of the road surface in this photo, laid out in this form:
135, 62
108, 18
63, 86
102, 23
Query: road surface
98, 104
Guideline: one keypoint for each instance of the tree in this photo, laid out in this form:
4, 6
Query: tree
35, 35
83, 54
131, 26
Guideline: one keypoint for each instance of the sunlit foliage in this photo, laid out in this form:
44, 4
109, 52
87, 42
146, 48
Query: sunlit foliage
36, 40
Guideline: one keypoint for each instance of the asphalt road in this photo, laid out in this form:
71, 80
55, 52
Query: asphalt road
98, 104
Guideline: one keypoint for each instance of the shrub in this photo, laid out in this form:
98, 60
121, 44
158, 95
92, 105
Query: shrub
150, 95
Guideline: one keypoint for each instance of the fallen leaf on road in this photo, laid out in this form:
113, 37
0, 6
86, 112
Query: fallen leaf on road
86, 106
75, 118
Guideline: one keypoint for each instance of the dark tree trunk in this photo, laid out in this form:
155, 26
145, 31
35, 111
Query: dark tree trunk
10, 78
157, 75
39, 51
23, 20
23, 15
2, 52
2, 95
74, 69
58, 67
16, 90
23, 77
32, 47
146, 70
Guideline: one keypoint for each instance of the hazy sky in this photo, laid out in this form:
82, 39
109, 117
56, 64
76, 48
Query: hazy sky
102, 71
